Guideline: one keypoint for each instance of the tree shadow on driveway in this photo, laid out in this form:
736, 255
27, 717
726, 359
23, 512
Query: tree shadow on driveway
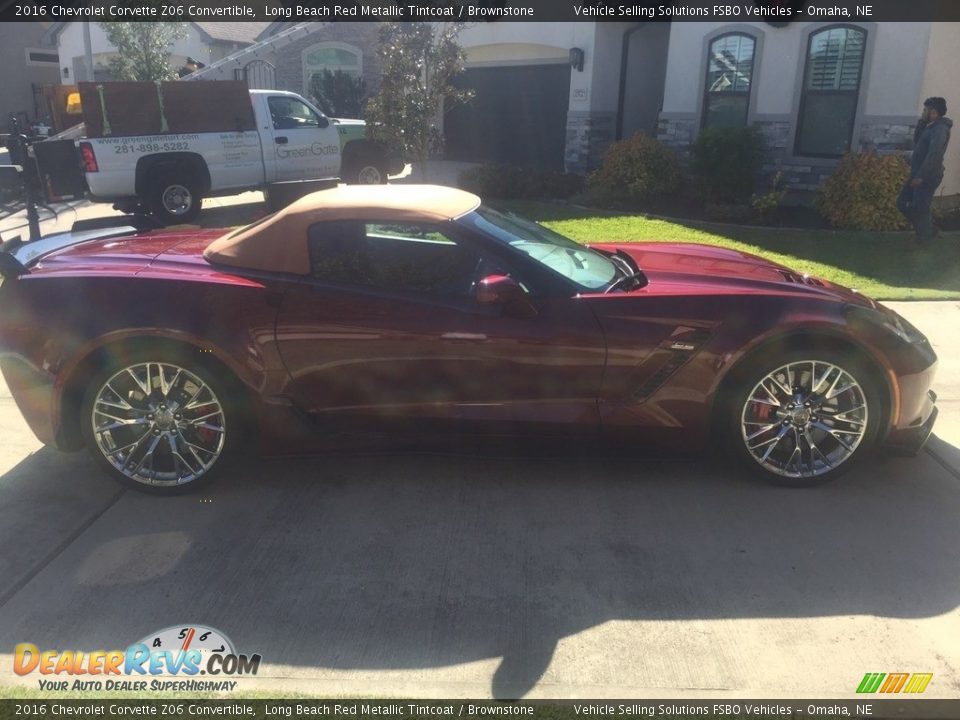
414, 561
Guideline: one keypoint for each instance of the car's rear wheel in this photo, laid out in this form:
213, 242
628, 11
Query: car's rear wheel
805, 417
158, 422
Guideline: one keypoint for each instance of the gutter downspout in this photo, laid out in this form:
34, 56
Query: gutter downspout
622, 93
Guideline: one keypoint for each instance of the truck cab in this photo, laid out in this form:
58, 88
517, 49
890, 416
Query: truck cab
299, 141
194, 149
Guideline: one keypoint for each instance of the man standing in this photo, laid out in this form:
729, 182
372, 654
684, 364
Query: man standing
926, 167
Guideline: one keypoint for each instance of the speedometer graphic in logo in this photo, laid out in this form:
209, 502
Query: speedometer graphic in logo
181, 638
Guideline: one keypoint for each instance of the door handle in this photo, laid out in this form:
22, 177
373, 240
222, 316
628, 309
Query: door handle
281, 140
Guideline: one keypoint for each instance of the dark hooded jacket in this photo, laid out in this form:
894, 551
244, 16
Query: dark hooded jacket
929, 145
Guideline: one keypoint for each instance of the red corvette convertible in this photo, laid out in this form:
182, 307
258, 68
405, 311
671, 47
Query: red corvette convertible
417, 308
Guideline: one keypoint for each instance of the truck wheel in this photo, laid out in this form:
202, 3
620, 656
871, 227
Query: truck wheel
174, 199
366, 170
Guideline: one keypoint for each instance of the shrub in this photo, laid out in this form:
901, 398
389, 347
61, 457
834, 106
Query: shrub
728, 160
767, 203
861, 193
729, 213
501, 181
339, 94
633, 171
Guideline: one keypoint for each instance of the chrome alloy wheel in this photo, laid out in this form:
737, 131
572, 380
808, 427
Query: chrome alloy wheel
158, 424
804, 419
177, 199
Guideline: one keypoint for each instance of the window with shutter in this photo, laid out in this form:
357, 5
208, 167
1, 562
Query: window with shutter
729, 77
831, 90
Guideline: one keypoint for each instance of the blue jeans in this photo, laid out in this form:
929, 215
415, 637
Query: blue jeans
914, 203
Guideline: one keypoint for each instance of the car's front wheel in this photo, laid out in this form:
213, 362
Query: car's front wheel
803, 418
157, 422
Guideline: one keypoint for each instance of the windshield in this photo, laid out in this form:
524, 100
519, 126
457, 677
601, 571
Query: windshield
585, 267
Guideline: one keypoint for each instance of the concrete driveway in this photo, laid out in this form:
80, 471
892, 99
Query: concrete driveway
404, 574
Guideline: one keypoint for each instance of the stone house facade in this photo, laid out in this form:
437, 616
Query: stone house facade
816, 90
347, 46
556, 95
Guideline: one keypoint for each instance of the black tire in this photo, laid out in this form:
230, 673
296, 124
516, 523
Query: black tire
747, 409
171, 425
174, 197
367, 167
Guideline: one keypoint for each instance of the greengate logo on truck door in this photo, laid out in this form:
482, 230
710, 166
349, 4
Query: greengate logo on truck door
316, 148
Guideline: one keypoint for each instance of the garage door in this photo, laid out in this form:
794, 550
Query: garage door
517, 117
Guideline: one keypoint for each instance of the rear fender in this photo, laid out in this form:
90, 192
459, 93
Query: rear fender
74, 373
148, 167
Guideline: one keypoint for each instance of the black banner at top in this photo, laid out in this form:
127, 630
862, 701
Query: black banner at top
774, 12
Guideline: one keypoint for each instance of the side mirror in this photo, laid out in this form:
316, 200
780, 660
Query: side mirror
504, 291
323, 122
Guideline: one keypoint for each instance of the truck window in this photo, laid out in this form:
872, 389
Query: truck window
291, 114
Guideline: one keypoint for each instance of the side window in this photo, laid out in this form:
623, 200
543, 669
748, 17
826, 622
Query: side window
291, 114
390, 256
337, 252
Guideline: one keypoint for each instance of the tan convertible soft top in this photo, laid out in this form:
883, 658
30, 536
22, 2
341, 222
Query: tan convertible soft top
279, 243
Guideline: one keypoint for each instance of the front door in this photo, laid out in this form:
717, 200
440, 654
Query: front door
388, 330
305, 143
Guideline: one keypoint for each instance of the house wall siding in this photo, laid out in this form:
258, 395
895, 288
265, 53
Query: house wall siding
894, 76
588, 137
363, 36
940, 79
70, 45
16, 76
896, 65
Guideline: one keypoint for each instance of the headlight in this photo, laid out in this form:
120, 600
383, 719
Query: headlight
890, 321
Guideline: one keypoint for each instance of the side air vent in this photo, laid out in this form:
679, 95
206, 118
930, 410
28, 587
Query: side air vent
672, 353
799, 279
672, 364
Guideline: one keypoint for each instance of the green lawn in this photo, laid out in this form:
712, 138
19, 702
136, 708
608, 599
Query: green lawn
881, 265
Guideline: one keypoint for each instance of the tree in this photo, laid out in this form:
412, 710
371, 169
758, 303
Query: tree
143, 49
339, 94
420, 60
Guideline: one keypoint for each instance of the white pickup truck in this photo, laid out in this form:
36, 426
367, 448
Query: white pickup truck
170, 174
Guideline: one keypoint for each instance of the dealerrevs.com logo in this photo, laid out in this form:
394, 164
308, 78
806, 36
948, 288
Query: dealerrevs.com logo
181, 651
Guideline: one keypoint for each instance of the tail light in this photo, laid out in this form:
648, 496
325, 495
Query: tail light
88, 158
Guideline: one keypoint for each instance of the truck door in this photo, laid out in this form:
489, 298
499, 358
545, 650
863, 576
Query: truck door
305, 144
